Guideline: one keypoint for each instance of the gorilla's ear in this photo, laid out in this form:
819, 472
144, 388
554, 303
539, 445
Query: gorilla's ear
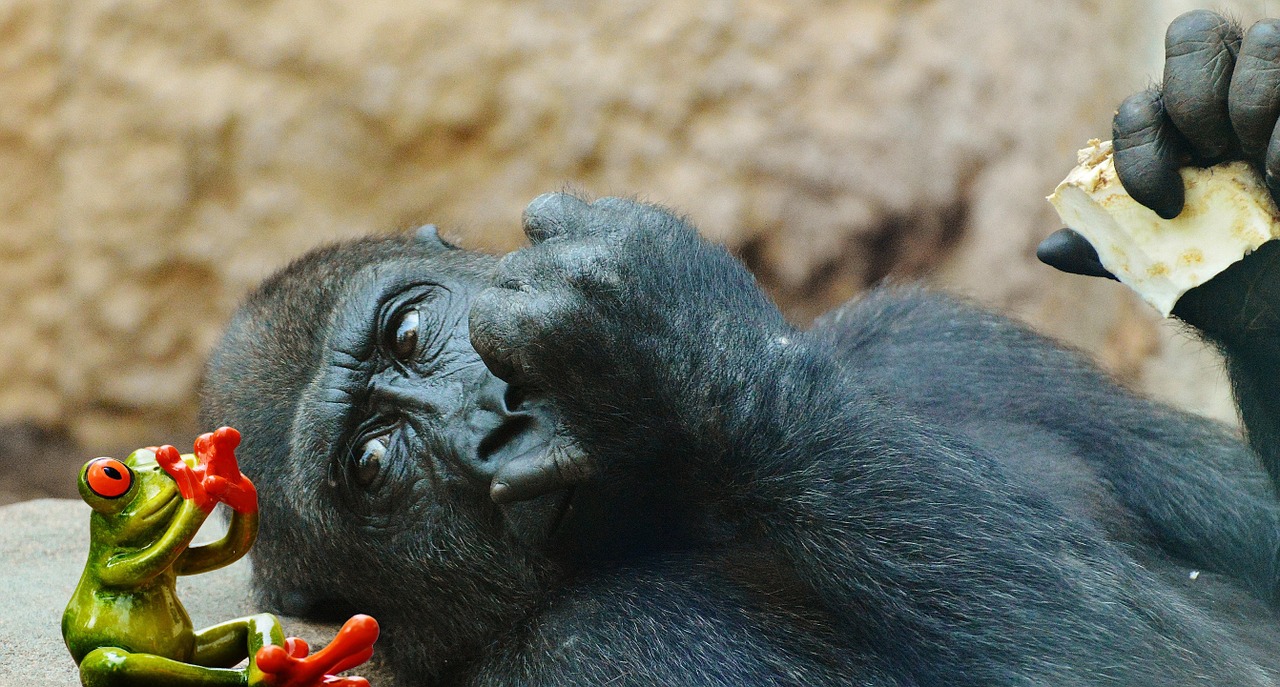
429, 235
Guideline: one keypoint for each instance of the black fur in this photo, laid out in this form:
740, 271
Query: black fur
608, 460
914, 492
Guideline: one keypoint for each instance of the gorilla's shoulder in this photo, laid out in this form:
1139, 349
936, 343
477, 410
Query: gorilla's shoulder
915, 314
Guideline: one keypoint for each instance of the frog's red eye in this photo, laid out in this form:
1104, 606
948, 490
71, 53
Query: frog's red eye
108, 477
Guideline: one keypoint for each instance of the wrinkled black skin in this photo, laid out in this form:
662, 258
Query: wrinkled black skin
912, 492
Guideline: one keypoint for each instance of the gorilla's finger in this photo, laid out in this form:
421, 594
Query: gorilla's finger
516, 270
1148, 153
562, 465
1254, 98
1068, 251
544, 268
505, 326
1200, 55
554, 214
497, 334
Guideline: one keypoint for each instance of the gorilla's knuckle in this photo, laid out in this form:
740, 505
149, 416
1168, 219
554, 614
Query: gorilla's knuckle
518, 271
510, 264
551, 215
588, 265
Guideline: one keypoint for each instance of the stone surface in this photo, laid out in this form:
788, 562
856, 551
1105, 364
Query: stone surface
161, 157
42, 551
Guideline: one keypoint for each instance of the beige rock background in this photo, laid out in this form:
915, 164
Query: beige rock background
158, 158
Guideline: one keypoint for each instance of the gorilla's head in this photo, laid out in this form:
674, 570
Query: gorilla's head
373, 429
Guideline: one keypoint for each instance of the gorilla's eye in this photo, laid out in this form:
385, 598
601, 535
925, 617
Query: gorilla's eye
370, 461
405, 342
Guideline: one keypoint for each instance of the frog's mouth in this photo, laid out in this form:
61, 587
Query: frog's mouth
159, 509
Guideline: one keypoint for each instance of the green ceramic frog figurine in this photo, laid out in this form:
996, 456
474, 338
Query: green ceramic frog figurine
124, 624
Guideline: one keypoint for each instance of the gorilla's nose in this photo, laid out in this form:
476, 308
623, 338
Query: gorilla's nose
506, 424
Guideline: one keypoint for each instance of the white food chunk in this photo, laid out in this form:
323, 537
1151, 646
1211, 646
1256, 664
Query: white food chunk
1228, 213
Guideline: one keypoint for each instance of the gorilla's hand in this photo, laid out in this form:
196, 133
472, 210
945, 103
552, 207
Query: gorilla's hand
1219, 101
627, 320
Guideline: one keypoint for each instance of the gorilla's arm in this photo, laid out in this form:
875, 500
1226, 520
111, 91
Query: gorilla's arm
1219, 100
1238, 311
663, 355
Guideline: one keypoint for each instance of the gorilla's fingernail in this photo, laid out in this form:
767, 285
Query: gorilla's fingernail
500, 492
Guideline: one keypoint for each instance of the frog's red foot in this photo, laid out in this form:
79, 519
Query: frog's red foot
289, 665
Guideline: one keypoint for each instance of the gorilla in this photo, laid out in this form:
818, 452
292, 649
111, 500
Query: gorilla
607, 459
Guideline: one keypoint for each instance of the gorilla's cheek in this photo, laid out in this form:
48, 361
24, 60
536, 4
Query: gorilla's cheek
442, 427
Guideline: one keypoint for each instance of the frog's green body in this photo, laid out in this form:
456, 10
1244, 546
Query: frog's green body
124, 624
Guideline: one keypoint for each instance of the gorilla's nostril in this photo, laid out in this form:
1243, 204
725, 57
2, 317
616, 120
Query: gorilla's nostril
513, 398
500, 437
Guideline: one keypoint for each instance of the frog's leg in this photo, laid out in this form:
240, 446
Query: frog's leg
111, 667
226, 644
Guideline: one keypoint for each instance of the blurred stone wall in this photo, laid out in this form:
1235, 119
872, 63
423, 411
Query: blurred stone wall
158, 158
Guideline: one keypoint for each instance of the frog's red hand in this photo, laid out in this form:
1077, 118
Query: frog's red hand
216, 452
352, 646
190, 482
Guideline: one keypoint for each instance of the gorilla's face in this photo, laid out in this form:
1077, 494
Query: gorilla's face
400, 414
373, 430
